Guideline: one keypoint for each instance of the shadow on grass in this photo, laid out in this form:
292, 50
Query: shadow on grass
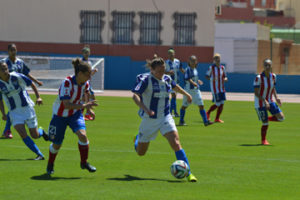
255, 145
135, 178
47, 177
15, 159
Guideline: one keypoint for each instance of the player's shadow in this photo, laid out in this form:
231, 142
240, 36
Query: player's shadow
135, 178
15, 159
255, 145
47, 177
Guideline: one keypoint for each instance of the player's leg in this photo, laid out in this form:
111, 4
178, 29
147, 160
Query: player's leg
174, 97
56, 132
197, 99
277, 114
212, 107
34, 131
7, 132
169, 131
20, 128
147, 131
77, 124
263, 116
183, 108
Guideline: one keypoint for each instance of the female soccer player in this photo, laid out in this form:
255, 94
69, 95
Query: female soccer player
264, 89
20, 106
173, 66
67, 112
16, 64
151, 94
217, 76
192, 83
86, 52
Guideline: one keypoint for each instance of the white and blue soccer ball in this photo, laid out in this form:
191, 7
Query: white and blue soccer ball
180, 169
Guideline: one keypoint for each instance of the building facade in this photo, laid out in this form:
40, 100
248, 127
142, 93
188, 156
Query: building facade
135, 23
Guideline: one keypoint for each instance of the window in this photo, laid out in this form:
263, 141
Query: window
263, 3
184, 28
91, 26
150, 27
122, 27
252, 3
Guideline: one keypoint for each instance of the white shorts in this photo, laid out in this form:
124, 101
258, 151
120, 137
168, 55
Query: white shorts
149, 127
197, 98
24, 115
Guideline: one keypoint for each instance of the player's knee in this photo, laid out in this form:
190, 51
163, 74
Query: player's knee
201, 107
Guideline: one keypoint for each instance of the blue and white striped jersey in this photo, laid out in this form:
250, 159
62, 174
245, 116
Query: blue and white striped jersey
154, 93
175, 66
18, 66
14, 92
191, 73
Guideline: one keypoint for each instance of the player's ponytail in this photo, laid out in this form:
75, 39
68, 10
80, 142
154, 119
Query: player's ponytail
80, 66
156, 62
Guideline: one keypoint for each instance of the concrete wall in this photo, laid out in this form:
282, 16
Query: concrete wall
58, 20
237, 44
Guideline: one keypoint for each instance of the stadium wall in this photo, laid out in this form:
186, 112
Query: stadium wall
123, 63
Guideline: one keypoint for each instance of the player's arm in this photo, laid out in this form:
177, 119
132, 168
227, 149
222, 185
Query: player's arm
192, 82
88, 105
137, 100
39, 100
40, 83
2, 109
181, 68
276, 97
179, 89
200, 82
256, 92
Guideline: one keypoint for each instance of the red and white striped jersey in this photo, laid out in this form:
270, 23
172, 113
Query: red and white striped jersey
70, 90
266, 88
216, 75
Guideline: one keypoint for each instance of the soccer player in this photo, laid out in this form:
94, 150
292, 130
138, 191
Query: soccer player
151, 94
192, 86
264, 90
173, 66
86, 52
16, 64
20, 106
217, 76
67, 112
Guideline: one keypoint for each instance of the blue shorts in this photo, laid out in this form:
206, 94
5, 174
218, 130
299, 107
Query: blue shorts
58, 125
219, 97
263, 114
274, 108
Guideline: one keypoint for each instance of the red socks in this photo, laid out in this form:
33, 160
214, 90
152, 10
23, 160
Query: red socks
264, 129
84, 152
212, 108
273, 118
219, 111
52, 157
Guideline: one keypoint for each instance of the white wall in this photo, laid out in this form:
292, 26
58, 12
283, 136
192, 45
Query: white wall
238, 43
58, 20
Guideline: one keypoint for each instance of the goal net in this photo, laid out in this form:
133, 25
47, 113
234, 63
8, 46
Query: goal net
52, 70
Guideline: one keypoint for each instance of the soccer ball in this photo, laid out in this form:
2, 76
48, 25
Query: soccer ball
180, 169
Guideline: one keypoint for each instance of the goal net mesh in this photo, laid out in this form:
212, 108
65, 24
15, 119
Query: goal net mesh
52, 70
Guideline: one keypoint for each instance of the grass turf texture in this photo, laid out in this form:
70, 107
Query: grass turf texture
226, 158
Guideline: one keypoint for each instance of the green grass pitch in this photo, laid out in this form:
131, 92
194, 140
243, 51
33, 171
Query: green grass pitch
226, 158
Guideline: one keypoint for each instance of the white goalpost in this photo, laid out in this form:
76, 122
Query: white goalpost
52, 70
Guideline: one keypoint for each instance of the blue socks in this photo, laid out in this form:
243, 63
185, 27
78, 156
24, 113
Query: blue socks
204, 116
41, 132
180, 155
182, 113
173, 105
8, 123
136, 141
32, 146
